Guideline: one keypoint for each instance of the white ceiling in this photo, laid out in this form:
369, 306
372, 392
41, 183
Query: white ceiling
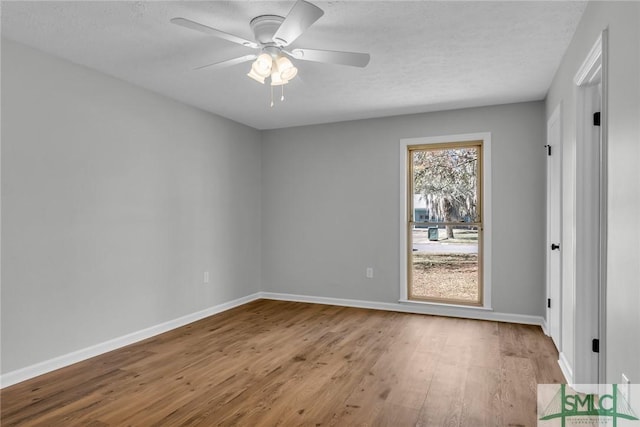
425, 56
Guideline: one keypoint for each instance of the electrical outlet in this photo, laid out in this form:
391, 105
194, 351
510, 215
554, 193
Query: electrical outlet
205, 278
625, 387
369, 273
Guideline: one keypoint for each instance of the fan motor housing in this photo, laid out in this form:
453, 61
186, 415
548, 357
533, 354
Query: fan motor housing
264, 27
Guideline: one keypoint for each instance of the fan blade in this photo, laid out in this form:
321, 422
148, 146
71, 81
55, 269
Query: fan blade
187, 23
228, 62
300, 17
353, 59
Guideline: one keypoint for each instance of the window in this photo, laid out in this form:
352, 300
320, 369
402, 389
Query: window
444, 220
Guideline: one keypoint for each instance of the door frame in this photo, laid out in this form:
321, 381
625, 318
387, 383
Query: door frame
485, 137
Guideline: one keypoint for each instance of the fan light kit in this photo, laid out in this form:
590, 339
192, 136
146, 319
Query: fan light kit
276, 66
273, 34
279, 68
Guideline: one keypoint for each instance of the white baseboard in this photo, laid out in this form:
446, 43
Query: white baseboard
416, 308
46, 366
32, 371
544, 327
565, 367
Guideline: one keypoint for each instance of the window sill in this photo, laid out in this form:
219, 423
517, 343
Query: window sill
443, 305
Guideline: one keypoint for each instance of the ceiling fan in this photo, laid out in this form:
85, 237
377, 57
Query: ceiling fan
273, 34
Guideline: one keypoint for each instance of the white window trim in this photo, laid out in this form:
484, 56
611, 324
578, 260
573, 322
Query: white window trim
485, 137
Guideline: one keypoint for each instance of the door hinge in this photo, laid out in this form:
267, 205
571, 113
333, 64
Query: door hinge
548, 147
548, 302
595, 345
596, 119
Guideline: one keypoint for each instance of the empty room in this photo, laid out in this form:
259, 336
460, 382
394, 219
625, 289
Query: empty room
320, 213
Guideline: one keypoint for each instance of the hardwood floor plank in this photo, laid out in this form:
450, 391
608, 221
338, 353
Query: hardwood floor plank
399, 378
271, 363
444, 400
518, 392
481, 401
349, 353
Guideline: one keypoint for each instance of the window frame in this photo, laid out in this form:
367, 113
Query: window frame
485, 213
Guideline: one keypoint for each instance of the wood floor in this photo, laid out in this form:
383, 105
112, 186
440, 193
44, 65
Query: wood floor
271, 363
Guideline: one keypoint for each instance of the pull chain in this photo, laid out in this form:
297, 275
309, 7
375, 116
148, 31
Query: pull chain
271, 96
282, 97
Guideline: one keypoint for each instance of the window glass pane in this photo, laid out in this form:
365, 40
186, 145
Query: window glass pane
445, 267
445, 185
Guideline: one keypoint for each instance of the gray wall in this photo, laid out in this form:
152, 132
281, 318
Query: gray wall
623, 266
330, 204
114, 202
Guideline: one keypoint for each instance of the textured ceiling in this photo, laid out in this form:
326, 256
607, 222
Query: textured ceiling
425, 56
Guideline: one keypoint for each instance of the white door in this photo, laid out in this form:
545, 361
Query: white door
554, 200
589, 250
